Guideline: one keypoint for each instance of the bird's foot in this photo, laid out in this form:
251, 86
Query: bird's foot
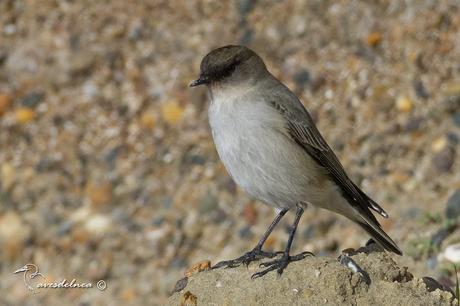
280, 264
246, 259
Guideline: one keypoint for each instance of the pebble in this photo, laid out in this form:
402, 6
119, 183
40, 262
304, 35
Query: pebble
208, 203
439, 144
98, 224
64, 228
81, 214
352, 251
13, 228
218, 216
172, 112
13, 234
181, 284
452, 138
5, 101
148, 120
156, 235
24, 115
204, 265
128, 295
9, 29
45, 164
32, 99
404, 104
302, 78
453, 103
90, 90
81, 64
452, 253
194, 159
250, 213
420, 90
318, 83
188, 299
307, 293
99, 194
365, 53
245, 232
444, 159
65, 243
413, 124
317, 273
135, 30
158, 221
111, 157
100, 267
7, 175
432, 284
452, 89
373, 39
453, 205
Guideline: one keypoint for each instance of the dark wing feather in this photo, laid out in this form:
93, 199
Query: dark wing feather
304, 132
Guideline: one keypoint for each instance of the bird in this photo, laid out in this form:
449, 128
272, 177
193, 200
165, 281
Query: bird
271, 147
30, 272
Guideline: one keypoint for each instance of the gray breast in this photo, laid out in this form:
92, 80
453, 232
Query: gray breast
258, 153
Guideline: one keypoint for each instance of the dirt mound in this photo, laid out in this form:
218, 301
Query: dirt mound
314, 281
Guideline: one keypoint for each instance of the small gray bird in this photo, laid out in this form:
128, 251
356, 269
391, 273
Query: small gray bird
272, 149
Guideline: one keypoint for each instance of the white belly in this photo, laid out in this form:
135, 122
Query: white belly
252, 142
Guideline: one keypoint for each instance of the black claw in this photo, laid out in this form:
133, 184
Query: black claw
302, 256
220, 264
246, 259
262, 273
280, 264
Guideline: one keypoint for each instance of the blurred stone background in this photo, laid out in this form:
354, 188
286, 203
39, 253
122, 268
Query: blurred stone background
107, 166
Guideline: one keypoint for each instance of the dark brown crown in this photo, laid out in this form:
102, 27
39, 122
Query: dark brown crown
221, 62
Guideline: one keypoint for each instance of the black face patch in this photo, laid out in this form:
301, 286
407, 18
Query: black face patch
222, 62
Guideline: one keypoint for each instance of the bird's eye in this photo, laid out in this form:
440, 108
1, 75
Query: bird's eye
227, 70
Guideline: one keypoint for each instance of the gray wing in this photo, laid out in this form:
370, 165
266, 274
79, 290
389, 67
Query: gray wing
303, 130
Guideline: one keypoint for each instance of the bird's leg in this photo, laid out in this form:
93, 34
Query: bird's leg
256, 253
282, 263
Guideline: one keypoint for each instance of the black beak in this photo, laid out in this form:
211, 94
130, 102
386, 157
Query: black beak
200, 81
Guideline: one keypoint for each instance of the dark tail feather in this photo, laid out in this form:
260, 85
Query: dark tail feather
381, 237
371, 203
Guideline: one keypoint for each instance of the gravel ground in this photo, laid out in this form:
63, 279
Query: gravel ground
107, 167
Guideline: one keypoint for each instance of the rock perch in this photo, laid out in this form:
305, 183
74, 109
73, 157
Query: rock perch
312, 281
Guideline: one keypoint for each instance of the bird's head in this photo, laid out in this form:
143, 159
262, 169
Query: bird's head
28, 267
229, 64
22, 269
